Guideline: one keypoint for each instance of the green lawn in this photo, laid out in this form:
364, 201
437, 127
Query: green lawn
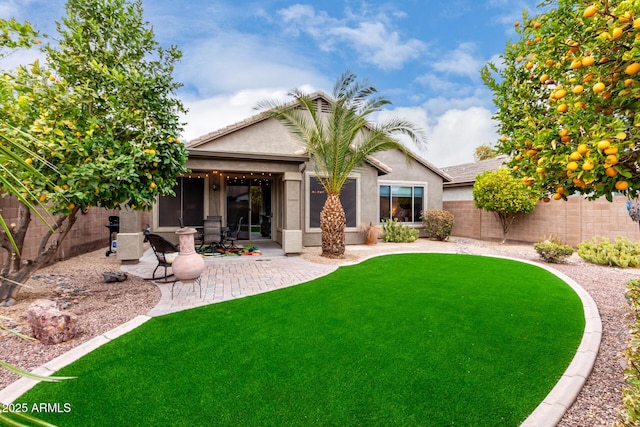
411, 339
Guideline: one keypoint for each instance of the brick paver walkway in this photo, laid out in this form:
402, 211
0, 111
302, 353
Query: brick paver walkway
227, 278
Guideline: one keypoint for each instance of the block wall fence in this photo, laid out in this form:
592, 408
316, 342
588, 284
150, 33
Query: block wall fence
89, 233
574, 221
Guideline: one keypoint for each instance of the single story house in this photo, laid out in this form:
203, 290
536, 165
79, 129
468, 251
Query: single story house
256, 171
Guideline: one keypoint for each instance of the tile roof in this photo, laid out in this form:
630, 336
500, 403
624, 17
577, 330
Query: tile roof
465, 174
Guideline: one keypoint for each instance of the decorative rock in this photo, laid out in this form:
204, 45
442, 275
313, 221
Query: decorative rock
114, 276
8, 303
49, 324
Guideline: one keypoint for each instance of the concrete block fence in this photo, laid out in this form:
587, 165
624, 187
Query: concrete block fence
574, 221
88, 233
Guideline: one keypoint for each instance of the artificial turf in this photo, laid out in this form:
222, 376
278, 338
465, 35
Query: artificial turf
410, 339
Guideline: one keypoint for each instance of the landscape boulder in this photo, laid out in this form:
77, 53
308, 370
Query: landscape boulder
49, 324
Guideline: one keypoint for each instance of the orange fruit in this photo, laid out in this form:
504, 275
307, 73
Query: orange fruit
544, 78
588, 60
153, 185
549, 62
590, 11
557, 196
503, 139
560, 190
622, 185
616, 32
565, 138
610, 172
604, 144
563, 132
29, 161
628, 82
65, 187
531, 153
583, 148
587, 166
579, 183
575, 156
515, 168
572, 166
611, 150
598, 87
560, 93
636, 23
577, 89
43, 198
562, 108
576, 64
519, 157
612, 159
632, 69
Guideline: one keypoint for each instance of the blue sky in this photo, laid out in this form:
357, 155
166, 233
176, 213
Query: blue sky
424, 56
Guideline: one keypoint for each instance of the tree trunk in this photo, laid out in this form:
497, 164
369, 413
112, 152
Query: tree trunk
17, 269
332, 225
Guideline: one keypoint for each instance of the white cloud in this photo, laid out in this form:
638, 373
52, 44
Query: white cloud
452, 136
230, 62
371, 38
461, 61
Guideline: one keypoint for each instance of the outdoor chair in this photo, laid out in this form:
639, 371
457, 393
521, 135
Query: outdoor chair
212, 235
232, 236
165, 252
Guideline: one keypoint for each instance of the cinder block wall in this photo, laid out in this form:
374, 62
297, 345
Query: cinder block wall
88, 233
574, 221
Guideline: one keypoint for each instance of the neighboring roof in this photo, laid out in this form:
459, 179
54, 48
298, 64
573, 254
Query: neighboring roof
192, 146
466, 173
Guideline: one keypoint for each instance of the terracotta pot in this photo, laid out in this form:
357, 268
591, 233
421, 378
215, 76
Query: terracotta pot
188, 265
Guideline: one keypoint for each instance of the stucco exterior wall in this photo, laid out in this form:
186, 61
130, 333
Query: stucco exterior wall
574, 221
412, 172
266, 136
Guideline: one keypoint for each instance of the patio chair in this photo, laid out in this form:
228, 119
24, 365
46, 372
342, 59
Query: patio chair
212, 235
232, 236
165, 252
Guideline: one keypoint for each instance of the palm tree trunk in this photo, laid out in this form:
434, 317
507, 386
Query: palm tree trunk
332, 224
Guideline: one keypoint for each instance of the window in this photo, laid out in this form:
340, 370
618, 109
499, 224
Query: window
402, 202
188, 204
317, 198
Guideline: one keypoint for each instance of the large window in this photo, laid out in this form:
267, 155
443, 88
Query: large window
188, 204
402, 202
317, 198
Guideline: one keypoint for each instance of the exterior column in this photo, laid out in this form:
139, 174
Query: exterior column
292, 214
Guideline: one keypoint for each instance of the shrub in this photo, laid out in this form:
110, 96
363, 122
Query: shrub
621, 253
394, 231
553, 250
630, 413
437, 223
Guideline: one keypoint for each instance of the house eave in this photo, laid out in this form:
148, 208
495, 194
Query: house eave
207, 154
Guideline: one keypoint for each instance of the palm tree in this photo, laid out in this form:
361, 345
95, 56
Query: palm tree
340, 141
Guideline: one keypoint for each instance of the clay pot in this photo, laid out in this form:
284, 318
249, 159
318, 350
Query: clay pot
188, 265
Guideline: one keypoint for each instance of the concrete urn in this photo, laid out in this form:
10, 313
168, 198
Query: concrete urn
188, 265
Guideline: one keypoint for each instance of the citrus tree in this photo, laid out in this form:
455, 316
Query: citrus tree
506, 196
484, 152
567, 93
340, 141
102, 111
